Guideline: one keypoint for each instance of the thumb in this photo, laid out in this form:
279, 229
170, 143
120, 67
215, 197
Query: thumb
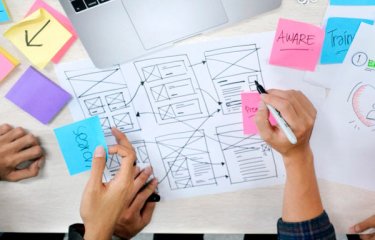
98, 165
364, 225
262, 122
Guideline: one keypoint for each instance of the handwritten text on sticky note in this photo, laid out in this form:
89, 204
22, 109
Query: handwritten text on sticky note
340, 33
78, 142
39, 36
297, 45
250, 104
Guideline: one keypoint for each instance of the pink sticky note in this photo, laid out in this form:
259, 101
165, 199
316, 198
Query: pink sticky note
6, 66
297, 45
63, 20
250, 103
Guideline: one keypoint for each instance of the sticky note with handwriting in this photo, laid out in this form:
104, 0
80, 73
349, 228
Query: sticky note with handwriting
39, 36
7, 63
250, 104
38, 4
297, 45
4, 14
38, 96
78, 142
353, 2
340, 33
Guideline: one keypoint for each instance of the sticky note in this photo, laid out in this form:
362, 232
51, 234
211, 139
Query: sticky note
7, 63
353, 2
340, 33
250, 103
297, 45
38, 96
38, 4
78, 142
39, 36
4, 14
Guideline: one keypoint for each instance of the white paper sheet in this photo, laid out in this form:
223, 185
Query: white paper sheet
325, 74
344, 136
181, 110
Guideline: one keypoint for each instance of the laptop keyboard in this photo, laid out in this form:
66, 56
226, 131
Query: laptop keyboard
80, 5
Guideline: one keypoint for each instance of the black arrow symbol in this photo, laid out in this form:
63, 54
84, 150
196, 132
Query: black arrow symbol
28, 42
203, 62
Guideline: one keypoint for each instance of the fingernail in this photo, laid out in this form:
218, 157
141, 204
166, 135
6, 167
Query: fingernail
357, 229
40, 163
137, 169
148, 170
155, 181
99, 152
351, 230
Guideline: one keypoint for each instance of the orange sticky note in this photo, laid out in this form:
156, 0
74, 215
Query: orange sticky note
38, 4
7, 63
250, 103
297, 45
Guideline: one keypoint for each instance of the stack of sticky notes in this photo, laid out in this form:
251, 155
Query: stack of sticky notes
4, 13
43, 36
38, 96
7, 63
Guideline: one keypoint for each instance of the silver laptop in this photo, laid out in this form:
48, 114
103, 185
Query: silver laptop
117, 31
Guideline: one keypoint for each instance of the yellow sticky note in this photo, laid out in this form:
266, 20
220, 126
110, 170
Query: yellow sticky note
39, 36
12, 59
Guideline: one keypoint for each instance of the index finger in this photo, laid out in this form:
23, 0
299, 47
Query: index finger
121, 138
365, 225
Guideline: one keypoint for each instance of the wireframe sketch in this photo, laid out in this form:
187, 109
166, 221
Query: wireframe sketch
113, 163
234, 70
248, 158
172, 88
186, 159
104, 93
362, 99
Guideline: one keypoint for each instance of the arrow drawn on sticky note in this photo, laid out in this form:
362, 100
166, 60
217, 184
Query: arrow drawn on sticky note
29, 42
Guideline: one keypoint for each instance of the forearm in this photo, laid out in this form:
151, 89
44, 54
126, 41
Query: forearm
302, 200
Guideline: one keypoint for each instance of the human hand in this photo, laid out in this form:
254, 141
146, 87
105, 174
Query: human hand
103, 205
298, 112
364, 226
17, 147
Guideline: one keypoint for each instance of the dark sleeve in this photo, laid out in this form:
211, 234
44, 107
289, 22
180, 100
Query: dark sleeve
319, 228
76, 232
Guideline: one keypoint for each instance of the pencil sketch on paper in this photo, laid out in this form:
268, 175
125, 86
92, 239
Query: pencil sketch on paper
183, 119
234, 70
104, 93
172, 89
248, 158
362, 99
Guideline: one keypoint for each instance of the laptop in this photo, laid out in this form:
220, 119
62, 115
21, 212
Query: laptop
118, 31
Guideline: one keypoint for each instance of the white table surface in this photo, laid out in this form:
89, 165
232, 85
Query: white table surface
50, 202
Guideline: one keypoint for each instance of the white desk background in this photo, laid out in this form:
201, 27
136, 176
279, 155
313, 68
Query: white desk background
50, 202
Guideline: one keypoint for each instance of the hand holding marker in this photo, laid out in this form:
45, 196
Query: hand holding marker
279, 119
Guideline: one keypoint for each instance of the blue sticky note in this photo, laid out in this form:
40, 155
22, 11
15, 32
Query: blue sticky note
340, 33
78, 142
4, 16
353, 2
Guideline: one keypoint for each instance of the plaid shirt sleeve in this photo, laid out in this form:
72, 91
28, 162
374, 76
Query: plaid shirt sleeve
319, 228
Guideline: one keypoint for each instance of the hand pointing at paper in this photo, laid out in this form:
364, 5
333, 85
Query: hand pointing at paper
119, 207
